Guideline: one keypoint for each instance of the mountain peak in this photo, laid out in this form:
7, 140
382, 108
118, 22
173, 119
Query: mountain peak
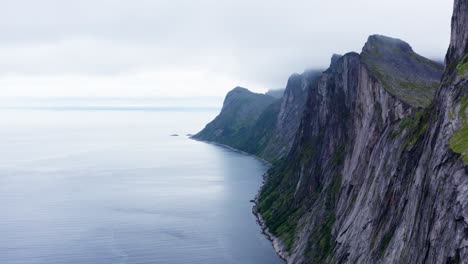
401, 71
335, 58
380, 42
240, 89
458, 49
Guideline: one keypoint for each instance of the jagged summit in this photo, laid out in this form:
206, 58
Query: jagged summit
241, 109
335, 58
239, 89
380, 42
240, 95
458, 48
404, 73
360, 173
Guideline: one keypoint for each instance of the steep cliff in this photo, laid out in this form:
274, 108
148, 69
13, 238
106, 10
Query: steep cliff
259, 124
289, 115
373, 177
374, 166
241, 111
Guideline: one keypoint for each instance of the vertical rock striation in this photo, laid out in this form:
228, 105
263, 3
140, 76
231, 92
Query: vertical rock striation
260, 124
371, 157
373, 177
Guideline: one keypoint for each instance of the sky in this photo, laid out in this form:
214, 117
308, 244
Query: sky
182, 48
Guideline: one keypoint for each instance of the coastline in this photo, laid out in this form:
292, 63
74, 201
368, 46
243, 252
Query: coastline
233, 149
278, 245
276, 242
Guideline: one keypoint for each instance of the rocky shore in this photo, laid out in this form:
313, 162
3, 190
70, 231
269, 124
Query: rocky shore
278, 245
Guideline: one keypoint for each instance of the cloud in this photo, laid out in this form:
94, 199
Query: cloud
182, 47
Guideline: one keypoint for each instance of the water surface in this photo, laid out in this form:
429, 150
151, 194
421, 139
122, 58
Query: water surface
98, 186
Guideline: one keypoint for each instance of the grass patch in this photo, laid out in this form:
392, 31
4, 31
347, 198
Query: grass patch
464, 105
462, 67
321, 242
384, 243
416, 124
459, 142
276, 203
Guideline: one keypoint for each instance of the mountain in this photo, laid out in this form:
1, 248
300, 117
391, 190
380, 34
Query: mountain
277, 93
403, 73
260, 124
239, 114
377, 171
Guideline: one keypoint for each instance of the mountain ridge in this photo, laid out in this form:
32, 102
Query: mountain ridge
377, 171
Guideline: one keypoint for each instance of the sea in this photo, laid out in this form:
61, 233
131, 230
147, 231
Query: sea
124, 184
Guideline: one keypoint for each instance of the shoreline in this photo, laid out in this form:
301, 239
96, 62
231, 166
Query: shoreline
233, 149
276, 242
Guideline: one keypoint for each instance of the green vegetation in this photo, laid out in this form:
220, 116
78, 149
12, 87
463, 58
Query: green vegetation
416, 93
415, 124
384, 243
246, 122
403, 73
459, 140
338, 158
462, 67
276, 206
420, 92
281, 209
426, 61
464, 104
326, 243
321, 241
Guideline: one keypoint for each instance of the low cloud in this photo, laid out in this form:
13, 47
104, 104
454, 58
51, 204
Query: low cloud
179, 48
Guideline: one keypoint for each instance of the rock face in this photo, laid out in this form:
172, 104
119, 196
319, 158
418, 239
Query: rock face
235, 124
259, 124
376, 170
403, 73
289, 114
372, 177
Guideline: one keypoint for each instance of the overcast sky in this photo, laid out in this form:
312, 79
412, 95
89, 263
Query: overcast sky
164, 48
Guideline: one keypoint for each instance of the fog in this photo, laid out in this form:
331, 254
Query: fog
184, 48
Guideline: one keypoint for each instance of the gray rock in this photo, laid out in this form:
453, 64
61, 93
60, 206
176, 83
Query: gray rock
371, 177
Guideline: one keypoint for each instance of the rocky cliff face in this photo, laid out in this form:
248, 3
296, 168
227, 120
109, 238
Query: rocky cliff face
235, 125
376, 166
289, 114
373, 177
403, 73
259, 124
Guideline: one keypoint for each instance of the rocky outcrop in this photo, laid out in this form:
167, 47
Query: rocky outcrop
258, 124
290, 114
373, 177
402, 72
241, 111
375, 167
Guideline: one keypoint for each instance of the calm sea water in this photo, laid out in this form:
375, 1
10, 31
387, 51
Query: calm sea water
114, 187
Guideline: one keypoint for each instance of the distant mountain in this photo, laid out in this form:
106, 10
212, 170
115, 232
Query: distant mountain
370, 157
240, 113
277, 93
261, 124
